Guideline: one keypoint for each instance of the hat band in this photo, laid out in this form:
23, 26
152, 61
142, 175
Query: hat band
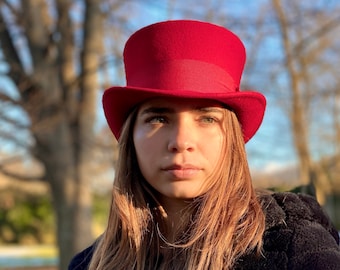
184, 75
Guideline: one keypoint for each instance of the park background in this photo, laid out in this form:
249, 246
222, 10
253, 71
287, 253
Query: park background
57, 156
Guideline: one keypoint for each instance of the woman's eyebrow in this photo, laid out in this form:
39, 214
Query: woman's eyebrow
210, 109
156, 110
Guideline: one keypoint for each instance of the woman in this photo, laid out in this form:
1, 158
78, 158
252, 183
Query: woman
183, 196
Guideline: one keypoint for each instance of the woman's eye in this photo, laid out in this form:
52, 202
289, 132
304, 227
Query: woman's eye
208, 119
156, 120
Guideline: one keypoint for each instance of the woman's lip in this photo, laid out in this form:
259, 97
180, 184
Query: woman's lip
182, 171
180, 167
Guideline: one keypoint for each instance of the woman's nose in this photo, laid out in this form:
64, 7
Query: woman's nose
181, 137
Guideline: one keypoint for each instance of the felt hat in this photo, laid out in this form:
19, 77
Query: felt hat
186, 59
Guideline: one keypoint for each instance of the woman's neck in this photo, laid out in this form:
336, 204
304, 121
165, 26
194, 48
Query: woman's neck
176, 213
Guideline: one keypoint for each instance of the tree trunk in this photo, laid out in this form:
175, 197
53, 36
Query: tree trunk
59, 150
297, 112
55, 148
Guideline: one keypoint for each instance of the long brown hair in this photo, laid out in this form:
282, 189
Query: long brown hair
217, 228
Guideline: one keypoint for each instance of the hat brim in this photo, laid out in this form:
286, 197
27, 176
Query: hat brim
249, 106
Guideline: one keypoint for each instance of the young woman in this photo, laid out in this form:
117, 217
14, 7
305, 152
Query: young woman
182, 195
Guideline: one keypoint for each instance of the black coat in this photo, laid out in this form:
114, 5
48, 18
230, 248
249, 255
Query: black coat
298, 236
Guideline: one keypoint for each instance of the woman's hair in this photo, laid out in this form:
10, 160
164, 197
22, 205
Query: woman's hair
217, 228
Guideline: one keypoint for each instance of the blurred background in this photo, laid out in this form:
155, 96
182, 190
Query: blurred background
57, 155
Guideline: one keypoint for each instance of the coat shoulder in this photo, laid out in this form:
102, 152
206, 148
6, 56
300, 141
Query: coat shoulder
82, 260
302, 209
299, 229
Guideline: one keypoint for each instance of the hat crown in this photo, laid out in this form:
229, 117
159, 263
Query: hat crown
198, 48
184, 59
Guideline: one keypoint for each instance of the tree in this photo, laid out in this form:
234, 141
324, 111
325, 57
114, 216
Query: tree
310, 62
299, 104
53, 51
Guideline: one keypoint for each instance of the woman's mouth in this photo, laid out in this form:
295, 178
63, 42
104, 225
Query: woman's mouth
182, 172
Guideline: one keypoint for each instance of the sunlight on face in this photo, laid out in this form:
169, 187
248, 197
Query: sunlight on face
178, 144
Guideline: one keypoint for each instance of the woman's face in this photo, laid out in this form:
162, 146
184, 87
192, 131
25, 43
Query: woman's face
178, 144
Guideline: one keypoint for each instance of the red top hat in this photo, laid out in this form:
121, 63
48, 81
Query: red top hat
188, 59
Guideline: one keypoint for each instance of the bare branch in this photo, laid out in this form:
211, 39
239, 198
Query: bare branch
7, 98
323, 30
9, 136
66, 50
38, 37
20, 177
10, 52
11, 8
15, 175
17, 125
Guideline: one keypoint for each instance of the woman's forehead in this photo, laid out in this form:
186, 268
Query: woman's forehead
176, 103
